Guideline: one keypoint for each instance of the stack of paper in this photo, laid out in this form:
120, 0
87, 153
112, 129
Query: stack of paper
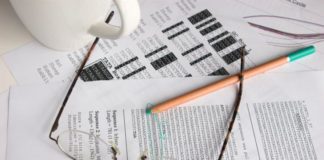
179, 46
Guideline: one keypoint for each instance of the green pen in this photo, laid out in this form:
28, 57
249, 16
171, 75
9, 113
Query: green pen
232, 80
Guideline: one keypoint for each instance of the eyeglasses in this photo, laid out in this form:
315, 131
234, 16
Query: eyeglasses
78, 144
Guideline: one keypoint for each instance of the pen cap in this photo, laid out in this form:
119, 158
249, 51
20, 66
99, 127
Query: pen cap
301, 53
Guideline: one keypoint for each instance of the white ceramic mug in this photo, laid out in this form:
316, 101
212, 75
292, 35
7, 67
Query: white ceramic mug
71, 24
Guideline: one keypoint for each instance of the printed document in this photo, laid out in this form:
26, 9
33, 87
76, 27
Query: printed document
279, 120
182, 38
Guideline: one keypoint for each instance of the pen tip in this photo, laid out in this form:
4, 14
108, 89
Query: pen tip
148, 111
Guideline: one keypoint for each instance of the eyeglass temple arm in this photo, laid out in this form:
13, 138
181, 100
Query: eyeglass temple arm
56, 122
236, 105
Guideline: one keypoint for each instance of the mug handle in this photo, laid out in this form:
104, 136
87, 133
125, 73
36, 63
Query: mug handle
129, 11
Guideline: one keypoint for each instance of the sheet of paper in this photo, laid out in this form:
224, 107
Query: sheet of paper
291, 16
175, 39
4, 103
30, 138
281, 119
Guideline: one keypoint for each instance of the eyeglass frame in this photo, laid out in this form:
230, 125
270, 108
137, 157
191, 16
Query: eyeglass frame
66, 98
114, 150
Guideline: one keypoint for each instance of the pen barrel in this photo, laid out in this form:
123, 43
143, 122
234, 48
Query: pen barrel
194, 94
265, 67
218, 85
